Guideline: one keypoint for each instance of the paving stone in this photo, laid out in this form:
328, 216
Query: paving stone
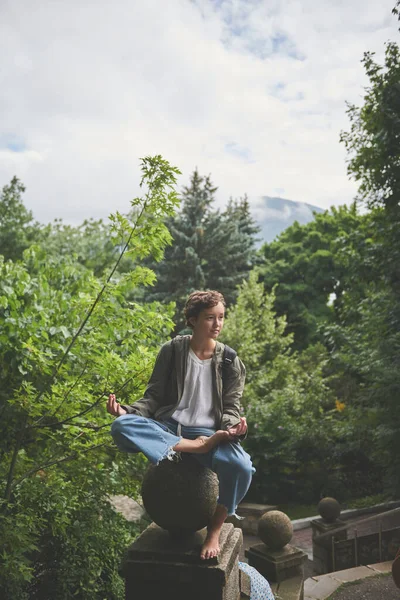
291, 589
384, 567
323, 588
353, 574
309, 585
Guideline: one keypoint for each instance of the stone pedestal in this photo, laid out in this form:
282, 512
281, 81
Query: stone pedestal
277, 565
160, 566
322, 546
319, 526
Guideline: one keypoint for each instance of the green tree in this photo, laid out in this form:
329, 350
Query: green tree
67, 339
90, 242
210, 250
306, 263
373, 140
286, 398
17, 226
366, 342
238, 210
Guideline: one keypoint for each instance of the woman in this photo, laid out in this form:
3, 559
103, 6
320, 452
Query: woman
191, 405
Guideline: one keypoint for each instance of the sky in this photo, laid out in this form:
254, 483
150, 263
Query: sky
252, 92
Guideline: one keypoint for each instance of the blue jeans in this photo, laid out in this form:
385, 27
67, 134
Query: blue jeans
133, 433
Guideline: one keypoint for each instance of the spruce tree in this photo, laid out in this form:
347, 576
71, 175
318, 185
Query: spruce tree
18, 230
210, 250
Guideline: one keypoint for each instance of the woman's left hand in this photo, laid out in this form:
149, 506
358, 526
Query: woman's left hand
239, 429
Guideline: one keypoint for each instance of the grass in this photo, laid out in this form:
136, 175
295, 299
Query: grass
367, 501
301, 511
298, 511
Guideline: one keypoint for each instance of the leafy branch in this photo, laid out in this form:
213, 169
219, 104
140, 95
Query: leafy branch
71, 388
57, 424
51, 463
159, 176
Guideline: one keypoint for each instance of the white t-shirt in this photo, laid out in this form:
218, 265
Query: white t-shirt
195, 408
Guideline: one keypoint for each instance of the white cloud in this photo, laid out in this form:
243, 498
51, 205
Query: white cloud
264, 210
90, 86
270, 214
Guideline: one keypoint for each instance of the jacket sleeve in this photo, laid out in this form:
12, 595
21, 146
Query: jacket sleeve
152, 398
232, 393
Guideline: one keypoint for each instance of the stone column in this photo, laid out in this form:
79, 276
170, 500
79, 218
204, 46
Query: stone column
164, 561
275, 559
324, 533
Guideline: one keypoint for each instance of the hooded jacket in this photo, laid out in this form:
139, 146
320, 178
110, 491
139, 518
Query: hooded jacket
165, 387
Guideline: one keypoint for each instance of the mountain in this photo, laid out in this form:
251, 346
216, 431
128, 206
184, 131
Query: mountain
274, 215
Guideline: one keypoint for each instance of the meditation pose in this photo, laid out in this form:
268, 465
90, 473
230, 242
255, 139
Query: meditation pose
192, 404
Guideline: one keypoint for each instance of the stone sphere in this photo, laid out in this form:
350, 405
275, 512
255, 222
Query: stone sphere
329, 509
180, 496
275, 529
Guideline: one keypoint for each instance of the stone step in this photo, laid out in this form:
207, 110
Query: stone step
291, 589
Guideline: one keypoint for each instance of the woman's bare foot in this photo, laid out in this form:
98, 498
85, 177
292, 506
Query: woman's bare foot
202, 444
210, 548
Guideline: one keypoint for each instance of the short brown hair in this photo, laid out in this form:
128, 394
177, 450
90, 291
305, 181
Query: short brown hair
198, 301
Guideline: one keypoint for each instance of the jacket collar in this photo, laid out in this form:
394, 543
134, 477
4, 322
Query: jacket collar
185, 340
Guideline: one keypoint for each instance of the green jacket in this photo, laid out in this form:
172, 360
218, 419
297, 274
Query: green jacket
165, 387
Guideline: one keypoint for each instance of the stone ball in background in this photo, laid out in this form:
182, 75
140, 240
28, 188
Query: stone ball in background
329, 509
180, 496
275, 529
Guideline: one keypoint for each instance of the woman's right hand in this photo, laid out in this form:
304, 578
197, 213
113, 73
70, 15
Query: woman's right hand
114, 408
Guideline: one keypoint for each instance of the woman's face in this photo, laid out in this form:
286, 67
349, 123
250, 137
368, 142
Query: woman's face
209, 322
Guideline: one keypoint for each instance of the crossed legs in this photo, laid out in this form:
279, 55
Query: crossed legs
227, 459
